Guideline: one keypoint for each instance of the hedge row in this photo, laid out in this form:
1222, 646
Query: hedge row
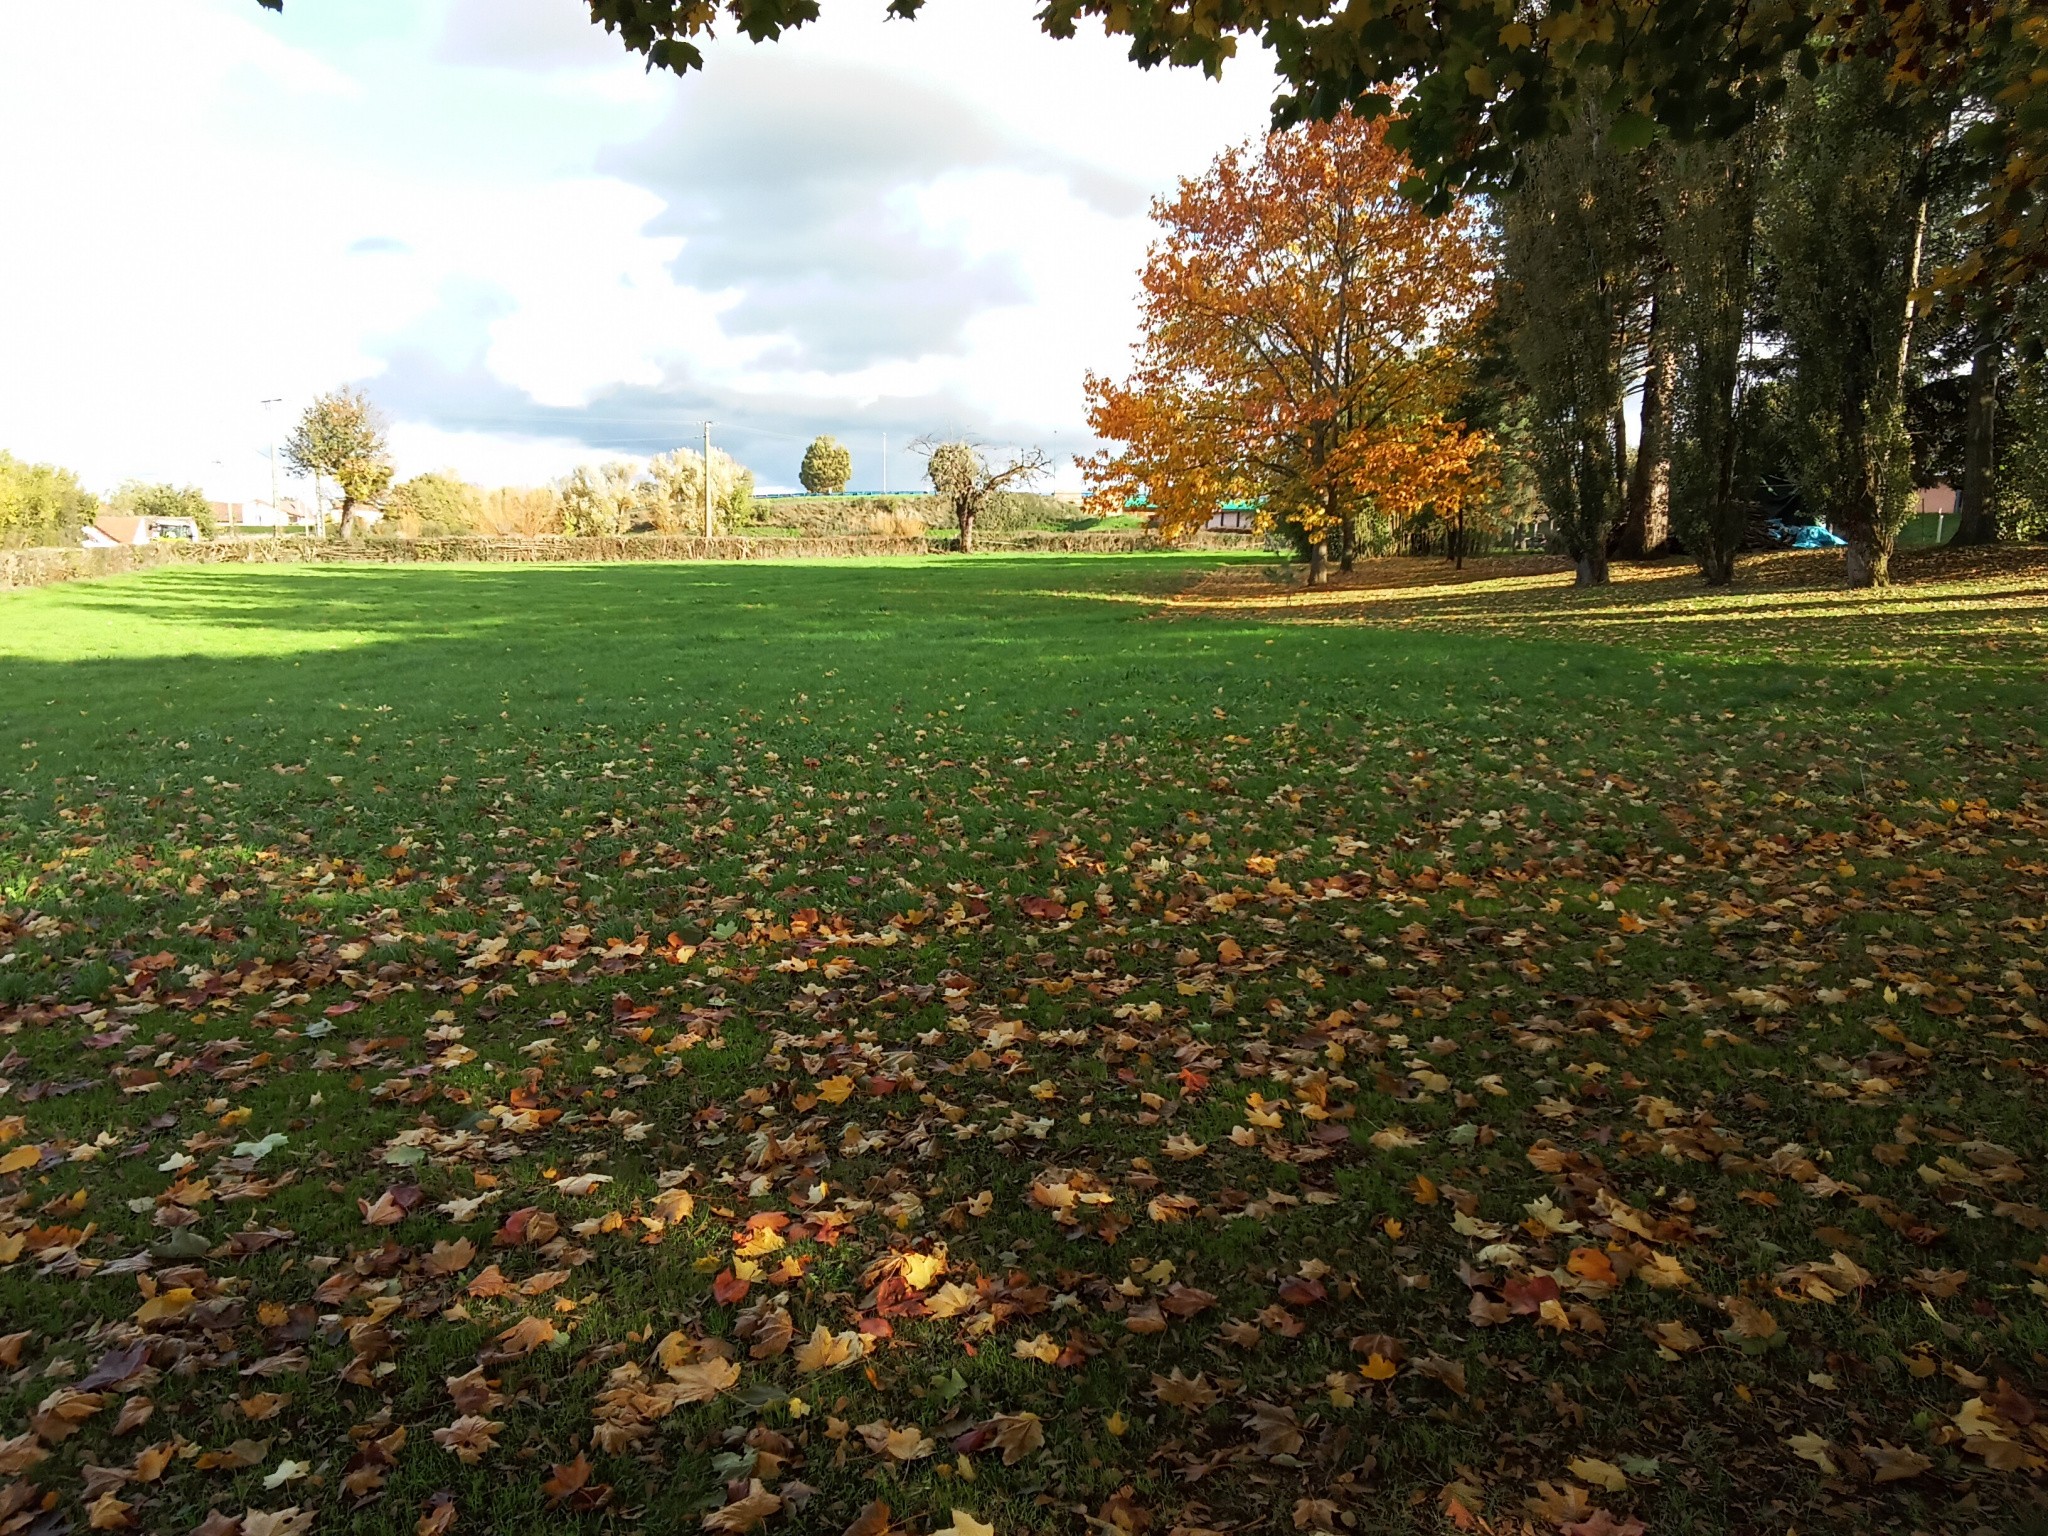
39, 567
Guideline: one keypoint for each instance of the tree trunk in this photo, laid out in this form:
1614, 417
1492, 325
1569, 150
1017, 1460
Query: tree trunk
1319, 564
347, 526
1718, 566
1592, 568
1647, 524
1977, 519
1458, 539
1347, 544
1867, 560
967, 530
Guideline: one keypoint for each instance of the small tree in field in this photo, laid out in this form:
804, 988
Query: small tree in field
965, 479
341, 436
826, 468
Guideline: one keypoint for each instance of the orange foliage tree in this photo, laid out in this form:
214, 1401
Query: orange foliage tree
1300, 347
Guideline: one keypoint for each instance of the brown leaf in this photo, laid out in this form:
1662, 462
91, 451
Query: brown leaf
1178, 1391
472, 1393
527, 1335
451, 1258
1017, 1435
471, 1437
490, 1283
1275, 1428
567, 1478
1891, 1464
745, 1512
872, 1521
702, 1380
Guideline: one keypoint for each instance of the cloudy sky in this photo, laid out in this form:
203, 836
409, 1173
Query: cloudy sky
533, 254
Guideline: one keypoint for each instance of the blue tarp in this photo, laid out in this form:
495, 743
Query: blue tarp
1805, 536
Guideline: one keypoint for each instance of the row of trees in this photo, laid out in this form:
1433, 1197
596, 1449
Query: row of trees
342, 438
1766, 296
1316, 341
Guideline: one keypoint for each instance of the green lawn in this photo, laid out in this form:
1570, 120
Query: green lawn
617, 1047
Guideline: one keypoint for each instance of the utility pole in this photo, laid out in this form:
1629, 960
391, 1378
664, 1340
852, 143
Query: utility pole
707, 479
270, 420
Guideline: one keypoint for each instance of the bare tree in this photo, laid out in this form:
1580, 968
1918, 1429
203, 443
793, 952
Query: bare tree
965, 476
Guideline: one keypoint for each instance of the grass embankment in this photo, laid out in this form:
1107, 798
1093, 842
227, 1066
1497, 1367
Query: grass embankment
596, 1047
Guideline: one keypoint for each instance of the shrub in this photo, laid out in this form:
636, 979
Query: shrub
826, 468
672, 496
599, 499
896, 524
519, 511
435, 506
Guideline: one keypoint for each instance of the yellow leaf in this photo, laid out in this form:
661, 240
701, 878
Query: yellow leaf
825, 1349
1663, 1273
1602, 1474
921, 1269
169, 1305
950, 1300
1814, 1448
21, 1157
836, 1090
965, 1524
1041, 1348
1377, 1368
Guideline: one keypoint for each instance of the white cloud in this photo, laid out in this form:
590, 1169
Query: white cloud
533, 252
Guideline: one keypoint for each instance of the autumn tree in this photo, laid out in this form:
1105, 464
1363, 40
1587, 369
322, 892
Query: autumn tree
341, 436
826, 468
965, 477
1298, 349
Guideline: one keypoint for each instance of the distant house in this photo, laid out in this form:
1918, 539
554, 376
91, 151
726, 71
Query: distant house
110, 532
237, 515
1229, 516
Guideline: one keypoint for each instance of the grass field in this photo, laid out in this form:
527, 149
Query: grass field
1028, 1041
